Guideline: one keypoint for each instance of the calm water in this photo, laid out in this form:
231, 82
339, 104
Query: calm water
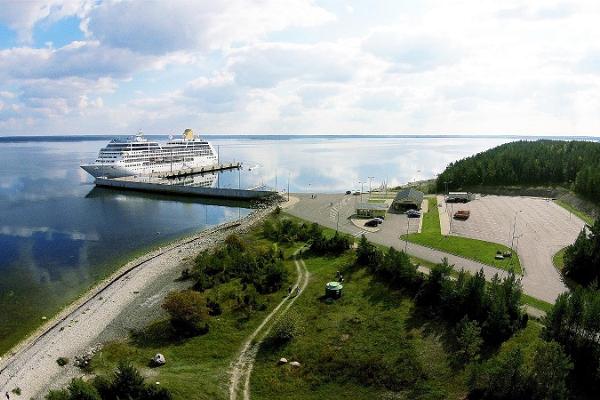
59, 234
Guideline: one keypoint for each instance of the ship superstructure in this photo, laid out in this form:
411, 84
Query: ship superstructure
139, 156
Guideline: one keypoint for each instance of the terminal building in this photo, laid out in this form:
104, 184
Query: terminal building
371, 210
407, 199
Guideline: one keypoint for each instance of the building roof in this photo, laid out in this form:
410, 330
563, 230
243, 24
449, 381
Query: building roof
410, 196
372, 206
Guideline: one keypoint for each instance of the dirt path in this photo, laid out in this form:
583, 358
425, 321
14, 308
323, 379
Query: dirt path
242, 368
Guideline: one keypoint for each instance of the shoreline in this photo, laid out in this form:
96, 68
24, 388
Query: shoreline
31, 364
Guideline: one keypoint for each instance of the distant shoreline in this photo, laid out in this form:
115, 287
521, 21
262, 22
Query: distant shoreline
88, 137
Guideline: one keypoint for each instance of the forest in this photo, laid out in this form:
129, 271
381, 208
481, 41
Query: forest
573, 164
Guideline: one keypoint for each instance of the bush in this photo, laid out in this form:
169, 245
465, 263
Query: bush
468, 341
286, 328
62, 361
510, 376
188, 311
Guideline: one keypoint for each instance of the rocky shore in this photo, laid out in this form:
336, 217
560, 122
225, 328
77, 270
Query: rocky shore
107, 312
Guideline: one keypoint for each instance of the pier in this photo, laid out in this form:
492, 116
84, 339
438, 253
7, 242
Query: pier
194, 171
157, 186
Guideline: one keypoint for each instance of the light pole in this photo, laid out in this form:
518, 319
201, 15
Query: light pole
288, 189
370, 179
407, 230
362, 185
512, 242
446, 183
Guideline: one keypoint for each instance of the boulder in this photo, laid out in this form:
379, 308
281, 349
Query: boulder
158, 360
295, 364
282, 361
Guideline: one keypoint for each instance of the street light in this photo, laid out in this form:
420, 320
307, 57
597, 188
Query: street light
362, 184
370, 179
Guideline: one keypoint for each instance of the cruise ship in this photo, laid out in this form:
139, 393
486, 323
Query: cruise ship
139, 156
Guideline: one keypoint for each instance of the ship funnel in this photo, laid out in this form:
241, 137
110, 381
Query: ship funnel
188, 134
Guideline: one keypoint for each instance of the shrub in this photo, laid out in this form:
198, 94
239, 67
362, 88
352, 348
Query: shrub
62, 361
188, 311
286, 328
468, 341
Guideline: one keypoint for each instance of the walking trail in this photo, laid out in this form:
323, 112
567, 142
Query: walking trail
242, 367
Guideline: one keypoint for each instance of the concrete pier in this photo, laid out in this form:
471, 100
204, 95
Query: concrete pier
134, 183
193, 171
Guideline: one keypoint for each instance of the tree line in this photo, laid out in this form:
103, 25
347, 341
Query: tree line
481, 314
575, 164
582, 258
494, 306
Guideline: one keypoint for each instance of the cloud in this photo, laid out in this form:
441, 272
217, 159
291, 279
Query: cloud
78, 59
22, 16
411, 53
268, 64
156, 27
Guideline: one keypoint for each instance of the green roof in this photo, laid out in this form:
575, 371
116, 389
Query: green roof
410, 196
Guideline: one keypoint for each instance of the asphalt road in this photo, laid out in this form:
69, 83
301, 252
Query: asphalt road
325, 209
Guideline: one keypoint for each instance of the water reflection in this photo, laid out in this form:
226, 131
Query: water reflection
59, 234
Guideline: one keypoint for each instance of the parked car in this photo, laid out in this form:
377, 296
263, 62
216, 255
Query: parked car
462, 214
379, 219
356, 193
348, 192
372, 223
413, 214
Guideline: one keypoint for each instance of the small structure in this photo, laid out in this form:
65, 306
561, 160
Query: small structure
333, 290
459, 197
371, 210
407, 199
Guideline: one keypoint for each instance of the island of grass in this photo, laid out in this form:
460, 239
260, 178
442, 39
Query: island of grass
474, 249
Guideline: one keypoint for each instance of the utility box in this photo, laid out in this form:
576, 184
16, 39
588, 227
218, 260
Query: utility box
333, 290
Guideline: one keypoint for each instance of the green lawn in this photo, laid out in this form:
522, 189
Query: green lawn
588, 219
376, 201
346, 342
536, 303
558, 259
478, 250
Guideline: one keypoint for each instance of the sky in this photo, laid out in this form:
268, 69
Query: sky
300, 67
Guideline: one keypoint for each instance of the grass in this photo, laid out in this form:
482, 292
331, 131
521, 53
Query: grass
346, 341
558, 259
376, 201
196, 368
478, 250
536, 303
588, 219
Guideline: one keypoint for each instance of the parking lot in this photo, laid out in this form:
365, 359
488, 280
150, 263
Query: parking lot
537, 228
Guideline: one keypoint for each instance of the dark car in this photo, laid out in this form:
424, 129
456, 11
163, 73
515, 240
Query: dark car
413, 214
372, 222
348, 192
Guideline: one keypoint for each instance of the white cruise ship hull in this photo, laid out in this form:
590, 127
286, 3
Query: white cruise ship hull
119, 171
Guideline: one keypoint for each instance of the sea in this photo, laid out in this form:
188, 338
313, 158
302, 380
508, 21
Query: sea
59, 234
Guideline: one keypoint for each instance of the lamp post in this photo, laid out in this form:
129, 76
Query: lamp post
370, 179
362, 185
288, 188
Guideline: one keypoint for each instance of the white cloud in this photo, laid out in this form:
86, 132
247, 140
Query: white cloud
157, 27
22, 16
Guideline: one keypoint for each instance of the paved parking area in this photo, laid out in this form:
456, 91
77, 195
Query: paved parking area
542, 228
537, 228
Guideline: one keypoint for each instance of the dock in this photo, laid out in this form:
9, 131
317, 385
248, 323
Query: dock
138, 184
194, 171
